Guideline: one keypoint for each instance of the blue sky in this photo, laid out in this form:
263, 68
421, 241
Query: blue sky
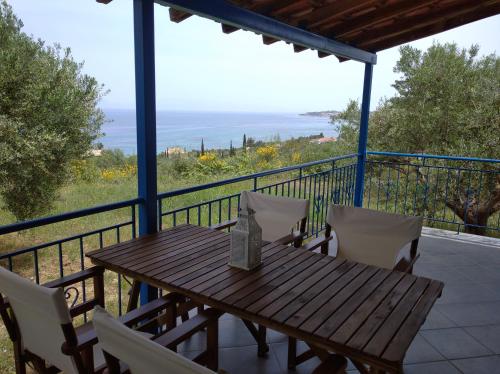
200, 68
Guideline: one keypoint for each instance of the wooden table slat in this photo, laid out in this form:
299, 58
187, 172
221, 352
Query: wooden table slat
230, 276
282, 296
313, 305
377, 318
358, 317
146, 242
305, 298
261, 276
402, 339
396, 317
191, 281
323, 313
347, 308
190, 260
255, 291
164, 249
231, 285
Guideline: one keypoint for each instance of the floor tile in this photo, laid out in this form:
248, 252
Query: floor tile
467, 293
488, 336
234, 333
455, 343
244, 360
443, 367
436, 320
421, 351
479, 365
474, 314
280, 350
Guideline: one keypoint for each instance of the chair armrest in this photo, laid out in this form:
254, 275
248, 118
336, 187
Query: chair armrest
149, 310
97, 274
405, 264
177, 335
224, 225
292, 237
86, 334
95, 271
316, 243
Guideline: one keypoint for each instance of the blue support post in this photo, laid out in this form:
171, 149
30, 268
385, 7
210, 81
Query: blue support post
144, 46
363, 135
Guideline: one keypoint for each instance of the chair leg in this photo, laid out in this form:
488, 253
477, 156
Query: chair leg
19, 359
263, 347
134, 295
292, 353
260, 337
213, 345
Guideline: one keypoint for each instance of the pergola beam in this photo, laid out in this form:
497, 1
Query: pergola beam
229, 14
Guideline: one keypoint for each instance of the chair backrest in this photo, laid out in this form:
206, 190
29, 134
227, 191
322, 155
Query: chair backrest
372, 237
138, 352
276, 215
39, 312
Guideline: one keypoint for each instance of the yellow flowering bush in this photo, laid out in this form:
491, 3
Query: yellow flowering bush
207, 157
267, 152
296, 158
112, 174
209, 163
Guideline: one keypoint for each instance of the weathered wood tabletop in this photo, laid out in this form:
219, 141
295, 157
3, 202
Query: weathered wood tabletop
364, 312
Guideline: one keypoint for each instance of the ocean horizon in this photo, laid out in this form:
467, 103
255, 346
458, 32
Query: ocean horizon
186, 129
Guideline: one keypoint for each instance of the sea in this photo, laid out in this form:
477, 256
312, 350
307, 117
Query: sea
186, 129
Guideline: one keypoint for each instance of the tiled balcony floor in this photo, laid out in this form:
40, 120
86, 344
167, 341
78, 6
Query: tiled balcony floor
461, 335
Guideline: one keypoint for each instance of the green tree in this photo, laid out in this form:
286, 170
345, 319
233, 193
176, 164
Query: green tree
447, 102
202, 148
49, 117
244, 146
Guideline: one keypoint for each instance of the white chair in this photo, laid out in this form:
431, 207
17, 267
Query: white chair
372, 237
122, 345
40, 323
277, 216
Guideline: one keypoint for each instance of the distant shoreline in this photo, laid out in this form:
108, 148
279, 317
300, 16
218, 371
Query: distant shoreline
324, 113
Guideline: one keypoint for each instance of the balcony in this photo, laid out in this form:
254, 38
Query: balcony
461, 333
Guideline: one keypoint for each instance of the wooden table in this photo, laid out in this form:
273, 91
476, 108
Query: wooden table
366, 313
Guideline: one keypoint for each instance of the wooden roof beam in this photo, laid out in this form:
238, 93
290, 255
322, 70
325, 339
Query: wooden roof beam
267, 40
440, 24
382, 14
334, 10
228, 29
298, 48
178, 15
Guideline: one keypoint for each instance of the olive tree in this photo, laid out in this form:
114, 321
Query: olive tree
48, 117
447, 102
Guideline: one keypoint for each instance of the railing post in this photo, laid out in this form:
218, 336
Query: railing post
363, 135
146, 123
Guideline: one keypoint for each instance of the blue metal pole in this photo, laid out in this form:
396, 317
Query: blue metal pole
144, 46
363, 135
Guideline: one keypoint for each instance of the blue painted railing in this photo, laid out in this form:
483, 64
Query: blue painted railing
395, 182
437, 188
322, 182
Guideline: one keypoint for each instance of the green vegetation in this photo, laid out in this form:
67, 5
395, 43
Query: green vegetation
447, 102
48, 118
